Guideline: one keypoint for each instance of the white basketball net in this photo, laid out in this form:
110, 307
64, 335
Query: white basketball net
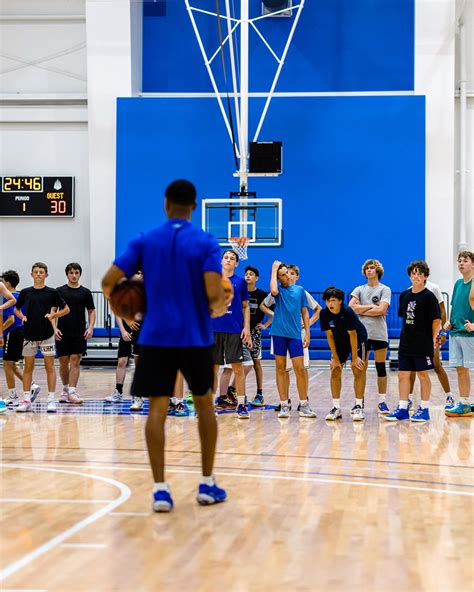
239, 245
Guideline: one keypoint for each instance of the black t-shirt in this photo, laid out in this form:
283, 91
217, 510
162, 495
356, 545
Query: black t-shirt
255, 300
418, 312
346, 320
79, 300
36, 303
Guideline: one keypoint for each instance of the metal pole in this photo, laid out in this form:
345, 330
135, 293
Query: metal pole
234, 77
462, 245
244, 93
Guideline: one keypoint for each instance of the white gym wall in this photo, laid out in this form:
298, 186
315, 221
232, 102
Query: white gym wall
58, 117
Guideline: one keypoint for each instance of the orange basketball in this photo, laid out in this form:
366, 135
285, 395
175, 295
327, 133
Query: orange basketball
228, 290
128, 301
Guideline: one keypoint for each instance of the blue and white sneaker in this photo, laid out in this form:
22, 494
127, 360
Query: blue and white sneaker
397, 415
35, 391
421, 415
162, 501
3, 406
242, 411
410, 404
383, 408
210, 494
450, 404
181, 409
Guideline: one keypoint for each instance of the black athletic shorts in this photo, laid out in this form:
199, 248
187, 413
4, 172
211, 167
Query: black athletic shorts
344, 353
228, 349
414, 363
13, 345
375, 344
127, 348
70, 345
155, 374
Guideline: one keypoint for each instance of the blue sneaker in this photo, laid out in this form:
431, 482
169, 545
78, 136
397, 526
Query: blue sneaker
162, 501
210, 494
450, 404
181, 409
3, 406
397, 415
258, 401
383, 408
242, 412
421, 415
461, 410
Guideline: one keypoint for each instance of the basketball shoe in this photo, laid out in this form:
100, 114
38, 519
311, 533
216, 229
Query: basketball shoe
137, 404
210, 494
334, 414
115, 397
162, 501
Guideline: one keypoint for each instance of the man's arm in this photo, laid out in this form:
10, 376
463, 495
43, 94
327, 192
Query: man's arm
355, 360
20, 315
266, 310
357, 307
332, 346
9, 322
245, 335
273, 279
315, 316
305, 316
378, 310
471, 296
436, 326
10, 300
91, 316
112, 276
215, 293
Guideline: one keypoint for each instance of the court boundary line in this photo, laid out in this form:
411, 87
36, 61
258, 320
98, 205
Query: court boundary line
125, 493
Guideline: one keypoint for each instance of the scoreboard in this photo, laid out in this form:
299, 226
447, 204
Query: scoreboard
42, 197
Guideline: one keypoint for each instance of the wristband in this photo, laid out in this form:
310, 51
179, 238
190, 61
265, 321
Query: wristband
444, 333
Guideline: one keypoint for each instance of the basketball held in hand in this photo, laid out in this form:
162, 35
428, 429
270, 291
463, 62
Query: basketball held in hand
228, 290
128, 301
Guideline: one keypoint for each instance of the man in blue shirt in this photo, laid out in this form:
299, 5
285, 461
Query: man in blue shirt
231, 331
290, 308
182, 279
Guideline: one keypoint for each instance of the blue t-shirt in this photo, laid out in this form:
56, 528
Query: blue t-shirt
173, 258
233, 320
9, 312
287, 316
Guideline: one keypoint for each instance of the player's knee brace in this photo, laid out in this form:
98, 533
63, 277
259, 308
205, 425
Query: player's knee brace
381, 370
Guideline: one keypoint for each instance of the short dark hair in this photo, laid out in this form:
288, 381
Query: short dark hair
181, 192
254, 269
420, 266
40, 265
333, 292
11, 277
73, 265
231, 251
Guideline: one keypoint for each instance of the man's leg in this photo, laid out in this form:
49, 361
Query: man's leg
464, 384
224, 381
207, 426
28, 374
64, 371
301, 378
359, 390
50, 374
74, 369
336, 386
257, 366
441, 373
155, 436
380, 358
281, 375
8, 368
17, 372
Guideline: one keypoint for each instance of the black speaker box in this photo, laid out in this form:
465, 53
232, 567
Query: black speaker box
265, 157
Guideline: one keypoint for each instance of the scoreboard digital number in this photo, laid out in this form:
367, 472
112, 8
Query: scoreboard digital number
50, 197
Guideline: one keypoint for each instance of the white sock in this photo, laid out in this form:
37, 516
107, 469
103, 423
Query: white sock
450, 394
51, 395
71, 390
403, 404
241, 400
359, 402
424, 404
464, 400
160, 487
382, 397
285, 402
303, 401
12, 392
66, 388
207, 481
336, 403
174, 400
178, 400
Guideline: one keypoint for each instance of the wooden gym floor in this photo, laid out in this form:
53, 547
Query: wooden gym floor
312, 506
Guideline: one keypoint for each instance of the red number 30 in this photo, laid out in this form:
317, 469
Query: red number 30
58, 207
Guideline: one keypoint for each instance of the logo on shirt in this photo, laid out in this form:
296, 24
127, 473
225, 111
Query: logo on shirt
375, 300
411, 313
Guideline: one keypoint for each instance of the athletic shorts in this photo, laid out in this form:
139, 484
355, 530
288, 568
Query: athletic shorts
128, 348
256, 351
282, 345
375, 344
13, 345
461, 351
30, 348
69, 345
343, 353
228, 349
414, 363
155, 373
247, 361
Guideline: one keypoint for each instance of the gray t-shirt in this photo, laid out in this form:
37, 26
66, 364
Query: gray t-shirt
376, 326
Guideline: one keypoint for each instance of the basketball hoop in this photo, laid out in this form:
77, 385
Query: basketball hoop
239, 245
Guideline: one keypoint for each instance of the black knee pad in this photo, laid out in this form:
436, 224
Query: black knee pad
381, 370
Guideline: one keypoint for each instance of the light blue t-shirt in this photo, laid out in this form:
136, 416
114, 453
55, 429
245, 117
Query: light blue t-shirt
173, 258
287, 316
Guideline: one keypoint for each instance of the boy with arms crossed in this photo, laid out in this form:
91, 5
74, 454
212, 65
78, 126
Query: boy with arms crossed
421, 316
42, 306
73, 333
346, 337
371, 301
290, 307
